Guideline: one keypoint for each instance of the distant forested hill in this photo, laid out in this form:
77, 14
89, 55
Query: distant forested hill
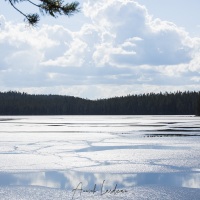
179, 103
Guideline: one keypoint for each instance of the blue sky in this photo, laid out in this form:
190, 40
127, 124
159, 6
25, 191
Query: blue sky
112, 48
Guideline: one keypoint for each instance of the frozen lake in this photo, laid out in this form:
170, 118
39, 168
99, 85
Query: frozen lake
99, 157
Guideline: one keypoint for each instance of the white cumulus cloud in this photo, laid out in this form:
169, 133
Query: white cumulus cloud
119, 48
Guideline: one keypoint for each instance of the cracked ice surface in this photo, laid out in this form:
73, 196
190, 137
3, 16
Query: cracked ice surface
97, 143
116, 146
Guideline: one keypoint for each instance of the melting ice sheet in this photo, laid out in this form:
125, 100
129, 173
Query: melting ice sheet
69, 180
149, 157
78, 185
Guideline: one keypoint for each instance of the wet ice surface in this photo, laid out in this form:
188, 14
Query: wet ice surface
149, 157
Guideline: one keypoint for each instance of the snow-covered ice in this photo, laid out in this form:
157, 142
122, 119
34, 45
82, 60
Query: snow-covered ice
151, 157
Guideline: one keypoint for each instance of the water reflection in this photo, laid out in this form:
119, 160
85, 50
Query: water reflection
70, 179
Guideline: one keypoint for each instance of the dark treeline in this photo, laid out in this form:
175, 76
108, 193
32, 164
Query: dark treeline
179, 103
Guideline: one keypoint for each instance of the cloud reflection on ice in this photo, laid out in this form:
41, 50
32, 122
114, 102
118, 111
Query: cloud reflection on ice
70, 179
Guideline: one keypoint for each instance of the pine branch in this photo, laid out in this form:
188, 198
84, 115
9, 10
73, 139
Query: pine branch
50, 7
11, 3
32, 19
53, 7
